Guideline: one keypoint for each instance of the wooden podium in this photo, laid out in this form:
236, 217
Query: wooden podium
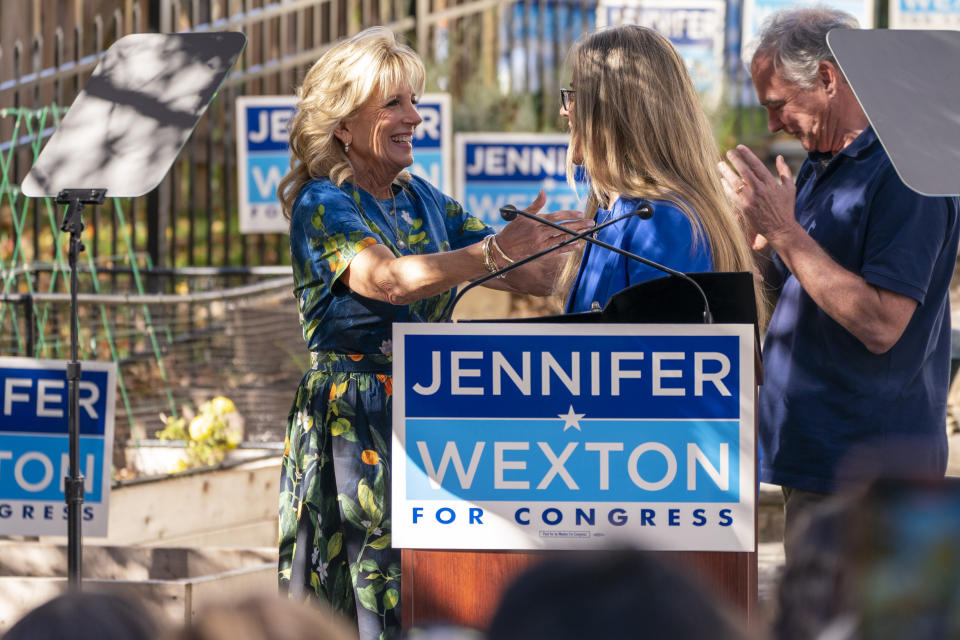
430, 594
464, 587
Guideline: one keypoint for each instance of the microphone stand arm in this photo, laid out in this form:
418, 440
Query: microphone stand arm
519, 263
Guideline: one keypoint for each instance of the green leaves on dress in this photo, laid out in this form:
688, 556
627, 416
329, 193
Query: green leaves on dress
471, 225
371, 503
317, 218
366, 513
453, 209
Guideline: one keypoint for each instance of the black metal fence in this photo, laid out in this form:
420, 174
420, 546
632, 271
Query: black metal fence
190, 219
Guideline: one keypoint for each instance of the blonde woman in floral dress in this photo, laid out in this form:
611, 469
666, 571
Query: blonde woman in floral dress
370, 245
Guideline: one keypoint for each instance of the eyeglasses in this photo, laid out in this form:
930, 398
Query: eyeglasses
566, 98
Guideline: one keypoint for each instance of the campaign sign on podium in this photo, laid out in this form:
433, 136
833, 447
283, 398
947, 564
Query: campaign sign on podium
34, 445
557, 436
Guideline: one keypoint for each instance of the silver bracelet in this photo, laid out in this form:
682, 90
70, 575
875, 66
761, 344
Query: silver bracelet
496, 245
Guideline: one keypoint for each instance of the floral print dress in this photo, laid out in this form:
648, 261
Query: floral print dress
335, 477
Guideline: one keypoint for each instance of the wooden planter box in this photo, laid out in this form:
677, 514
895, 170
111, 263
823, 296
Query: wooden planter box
235, 505
176, 542
174, 583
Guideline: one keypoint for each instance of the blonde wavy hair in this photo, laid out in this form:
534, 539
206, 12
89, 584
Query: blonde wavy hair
639, 126
369, 65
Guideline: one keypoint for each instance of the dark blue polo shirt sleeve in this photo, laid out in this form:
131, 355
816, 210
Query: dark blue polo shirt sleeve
904, 238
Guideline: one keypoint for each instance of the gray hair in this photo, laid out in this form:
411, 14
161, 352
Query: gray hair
796, 39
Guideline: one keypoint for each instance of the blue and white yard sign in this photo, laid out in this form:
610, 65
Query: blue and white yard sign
529, 436
263, 158
34, 445
263, 154
530, 34
697, 28
924, 14
756, 11
433, 141
496, 169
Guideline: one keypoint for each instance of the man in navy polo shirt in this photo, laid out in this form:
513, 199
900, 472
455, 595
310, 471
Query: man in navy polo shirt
857, 352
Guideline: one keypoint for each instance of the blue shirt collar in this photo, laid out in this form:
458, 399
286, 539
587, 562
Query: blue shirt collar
859, 145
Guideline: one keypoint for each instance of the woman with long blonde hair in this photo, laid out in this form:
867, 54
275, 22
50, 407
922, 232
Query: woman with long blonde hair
638, 129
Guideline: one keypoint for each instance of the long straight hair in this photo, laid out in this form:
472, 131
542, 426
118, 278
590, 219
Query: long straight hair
371, 64
638, 123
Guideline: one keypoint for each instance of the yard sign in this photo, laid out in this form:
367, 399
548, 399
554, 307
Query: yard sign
34, 445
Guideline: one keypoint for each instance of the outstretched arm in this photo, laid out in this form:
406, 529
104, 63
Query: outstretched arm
376, 273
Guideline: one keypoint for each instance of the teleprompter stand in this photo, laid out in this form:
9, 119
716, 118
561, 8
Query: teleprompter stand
75, 199
428, 592
122, 134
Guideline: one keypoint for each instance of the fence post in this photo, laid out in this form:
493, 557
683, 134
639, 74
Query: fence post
30, 321
159, 17
158, 200
158, 218
423, 27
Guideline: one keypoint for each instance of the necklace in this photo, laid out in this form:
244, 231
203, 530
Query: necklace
393, 213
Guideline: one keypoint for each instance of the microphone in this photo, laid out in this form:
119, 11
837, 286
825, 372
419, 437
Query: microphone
519, 263
644, 212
